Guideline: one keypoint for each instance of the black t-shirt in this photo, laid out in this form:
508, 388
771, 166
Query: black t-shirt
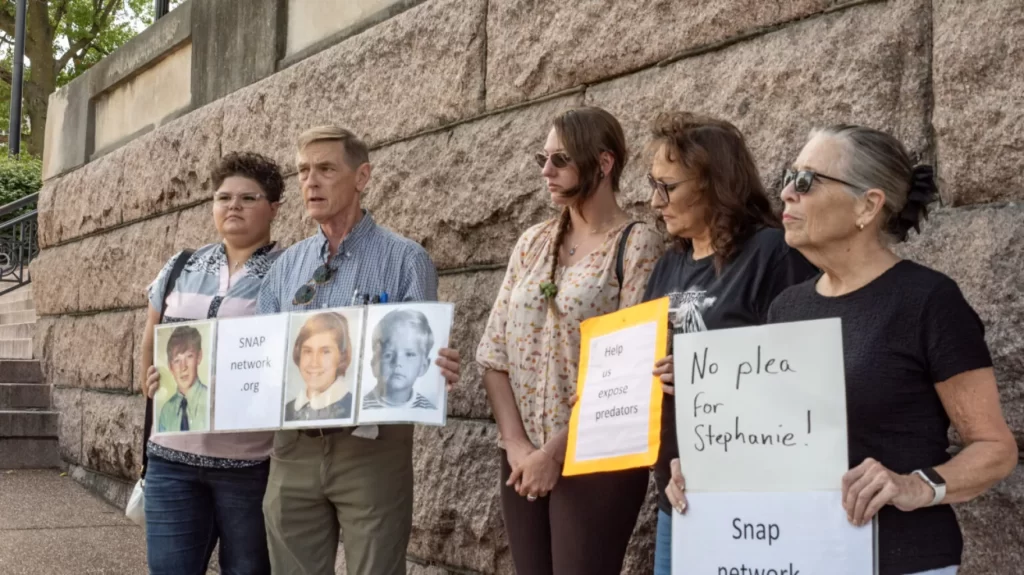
701, 300
904, 332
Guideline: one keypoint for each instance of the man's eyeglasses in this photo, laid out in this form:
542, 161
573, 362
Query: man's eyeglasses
307, 292
802, 180
663, 188
248, 201
558, 159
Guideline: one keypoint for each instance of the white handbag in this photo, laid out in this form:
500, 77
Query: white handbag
135, 511
136, 508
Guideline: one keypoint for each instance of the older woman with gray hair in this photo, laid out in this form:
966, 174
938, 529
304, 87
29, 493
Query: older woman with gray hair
913, 348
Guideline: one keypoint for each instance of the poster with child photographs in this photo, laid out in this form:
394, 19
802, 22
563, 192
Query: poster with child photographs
322, 368
183, 353
401, 381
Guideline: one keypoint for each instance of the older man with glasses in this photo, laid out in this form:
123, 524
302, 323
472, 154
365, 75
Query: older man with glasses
356, 480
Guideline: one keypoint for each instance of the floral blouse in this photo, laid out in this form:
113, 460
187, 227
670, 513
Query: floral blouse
538, 346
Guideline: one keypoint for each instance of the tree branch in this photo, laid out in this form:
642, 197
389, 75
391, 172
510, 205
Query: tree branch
7, 23
62, 9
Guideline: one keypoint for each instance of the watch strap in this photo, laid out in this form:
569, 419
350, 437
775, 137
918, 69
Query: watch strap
938, 485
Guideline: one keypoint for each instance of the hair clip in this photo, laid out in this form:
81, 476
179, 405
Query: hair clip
548, 289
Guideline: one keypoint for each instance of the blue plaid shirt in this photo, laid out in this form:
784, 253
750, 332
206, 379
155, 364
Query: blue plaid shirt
370, 259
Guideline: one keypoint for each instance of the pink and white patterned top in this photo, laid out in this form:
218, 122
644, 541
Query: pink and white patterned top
539, 346
207, 289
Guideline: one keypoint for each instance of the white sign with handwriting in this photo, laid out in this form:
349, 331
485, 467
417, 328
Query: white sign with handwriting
761, 427
762, 408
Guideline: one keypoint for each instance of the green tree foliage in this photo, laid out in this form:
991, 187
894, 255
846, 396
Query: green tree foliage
64, 38
19, 177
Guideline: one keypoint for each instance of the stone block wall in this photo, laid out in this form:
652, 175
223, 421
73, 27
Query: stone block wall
454, 96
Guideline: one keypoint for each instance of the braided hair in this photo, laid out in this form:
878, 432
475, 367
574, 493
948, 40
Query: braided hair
585, 132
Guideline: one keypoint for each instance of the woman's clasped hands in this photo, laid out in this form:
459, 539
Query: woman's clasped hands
534, 471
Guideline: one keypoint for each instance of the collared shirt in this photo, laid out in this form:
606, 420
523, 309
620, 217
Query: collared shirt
197, 398
370, 260
334, 393
208, 288
373, 400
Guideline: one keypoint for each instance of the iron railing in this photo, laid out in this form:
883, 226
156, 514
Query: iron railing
18, 242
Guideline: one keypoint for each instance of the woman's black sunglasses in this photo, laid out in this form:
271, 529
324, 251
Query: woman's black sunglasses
803, 180
558, 159
307, 292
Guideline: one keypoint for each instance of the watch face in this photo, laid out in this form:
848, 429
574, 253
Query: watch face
933, 476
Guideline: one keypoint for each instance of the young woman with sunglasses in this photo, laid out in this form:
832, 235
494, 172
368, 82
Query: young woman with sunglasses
205, 488
914, 350
560, 273
730, 259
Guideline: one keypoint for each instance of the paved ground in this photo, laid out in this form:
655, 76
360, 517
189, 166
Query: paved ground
50, 525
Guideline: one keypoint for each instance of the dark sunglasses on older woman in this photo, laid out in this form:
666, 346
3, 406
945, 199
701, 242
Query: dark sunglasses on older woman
803, 180
307, 292
558, 159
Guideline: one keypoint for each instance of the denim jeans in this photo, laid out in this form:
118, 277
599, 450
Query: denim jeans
189, 509
663, 545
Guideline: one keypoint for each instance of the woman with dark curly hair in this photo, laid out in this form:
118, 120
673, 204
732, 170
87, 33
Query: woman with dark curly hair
730, 258
205, 488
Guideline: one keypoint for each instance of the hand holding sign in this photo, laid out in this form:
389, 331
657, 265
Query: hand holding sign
761, 422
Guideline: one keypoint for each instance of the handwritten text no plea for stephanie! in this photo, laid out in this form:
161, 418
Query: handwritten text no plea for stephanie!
707, 409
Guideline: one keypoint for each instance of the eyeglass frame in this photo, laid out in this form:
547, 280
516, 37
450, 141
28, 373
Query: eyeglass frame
239, 197
790, 176
558, 157
663, 188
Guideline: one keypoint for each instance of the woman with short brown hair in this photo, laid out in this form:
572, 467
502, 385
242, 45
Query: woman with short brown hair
562, 272
730, 258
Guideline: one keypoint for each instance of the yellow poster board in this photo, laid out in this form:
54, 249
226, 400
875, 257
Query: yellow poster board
616, 424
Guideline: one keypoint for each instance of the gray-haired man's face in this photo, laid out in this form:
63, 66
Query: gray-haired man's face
401, 360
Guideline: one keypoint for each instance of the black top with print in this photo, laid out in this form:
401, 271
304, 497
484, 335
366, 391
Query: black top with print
702, 299
904, 332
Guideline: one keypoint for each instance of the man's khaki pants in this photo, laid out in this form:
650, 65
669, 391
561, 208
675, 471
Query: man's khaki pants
320, 484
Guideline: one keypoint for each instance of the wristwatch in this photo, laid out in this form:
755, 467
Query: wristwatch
932, 477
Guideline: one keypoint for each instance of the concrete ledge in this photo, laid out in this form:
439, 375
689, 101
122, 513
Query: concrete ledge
28, 453
34, 424
114, 491
24, 395
142, 51
362, 25
20, 371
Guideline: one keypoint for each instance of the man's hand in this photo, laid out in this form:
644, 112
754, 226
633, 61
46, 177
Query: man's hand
450, 364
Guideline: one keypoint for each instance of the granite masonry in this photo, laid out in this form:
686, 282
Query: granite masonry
454, 96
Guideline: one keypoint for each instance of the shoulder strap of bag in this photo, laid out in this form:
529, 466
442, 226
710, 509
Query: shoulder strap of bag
172, 278
620, 254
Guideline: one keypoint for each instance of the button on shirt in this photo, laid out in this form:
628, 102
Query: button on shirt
370, 260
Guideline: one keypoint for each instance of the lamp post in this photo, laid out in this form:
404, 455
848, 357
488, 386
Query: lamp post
161, 8
14, 132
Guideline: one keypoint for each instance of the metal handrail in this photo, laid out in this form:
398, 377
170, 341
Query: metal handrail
18, 204
19, 243
22, 218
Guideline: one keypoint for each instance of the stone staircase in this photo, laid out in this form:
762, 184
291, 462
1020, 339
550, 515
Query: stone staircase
28, 426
